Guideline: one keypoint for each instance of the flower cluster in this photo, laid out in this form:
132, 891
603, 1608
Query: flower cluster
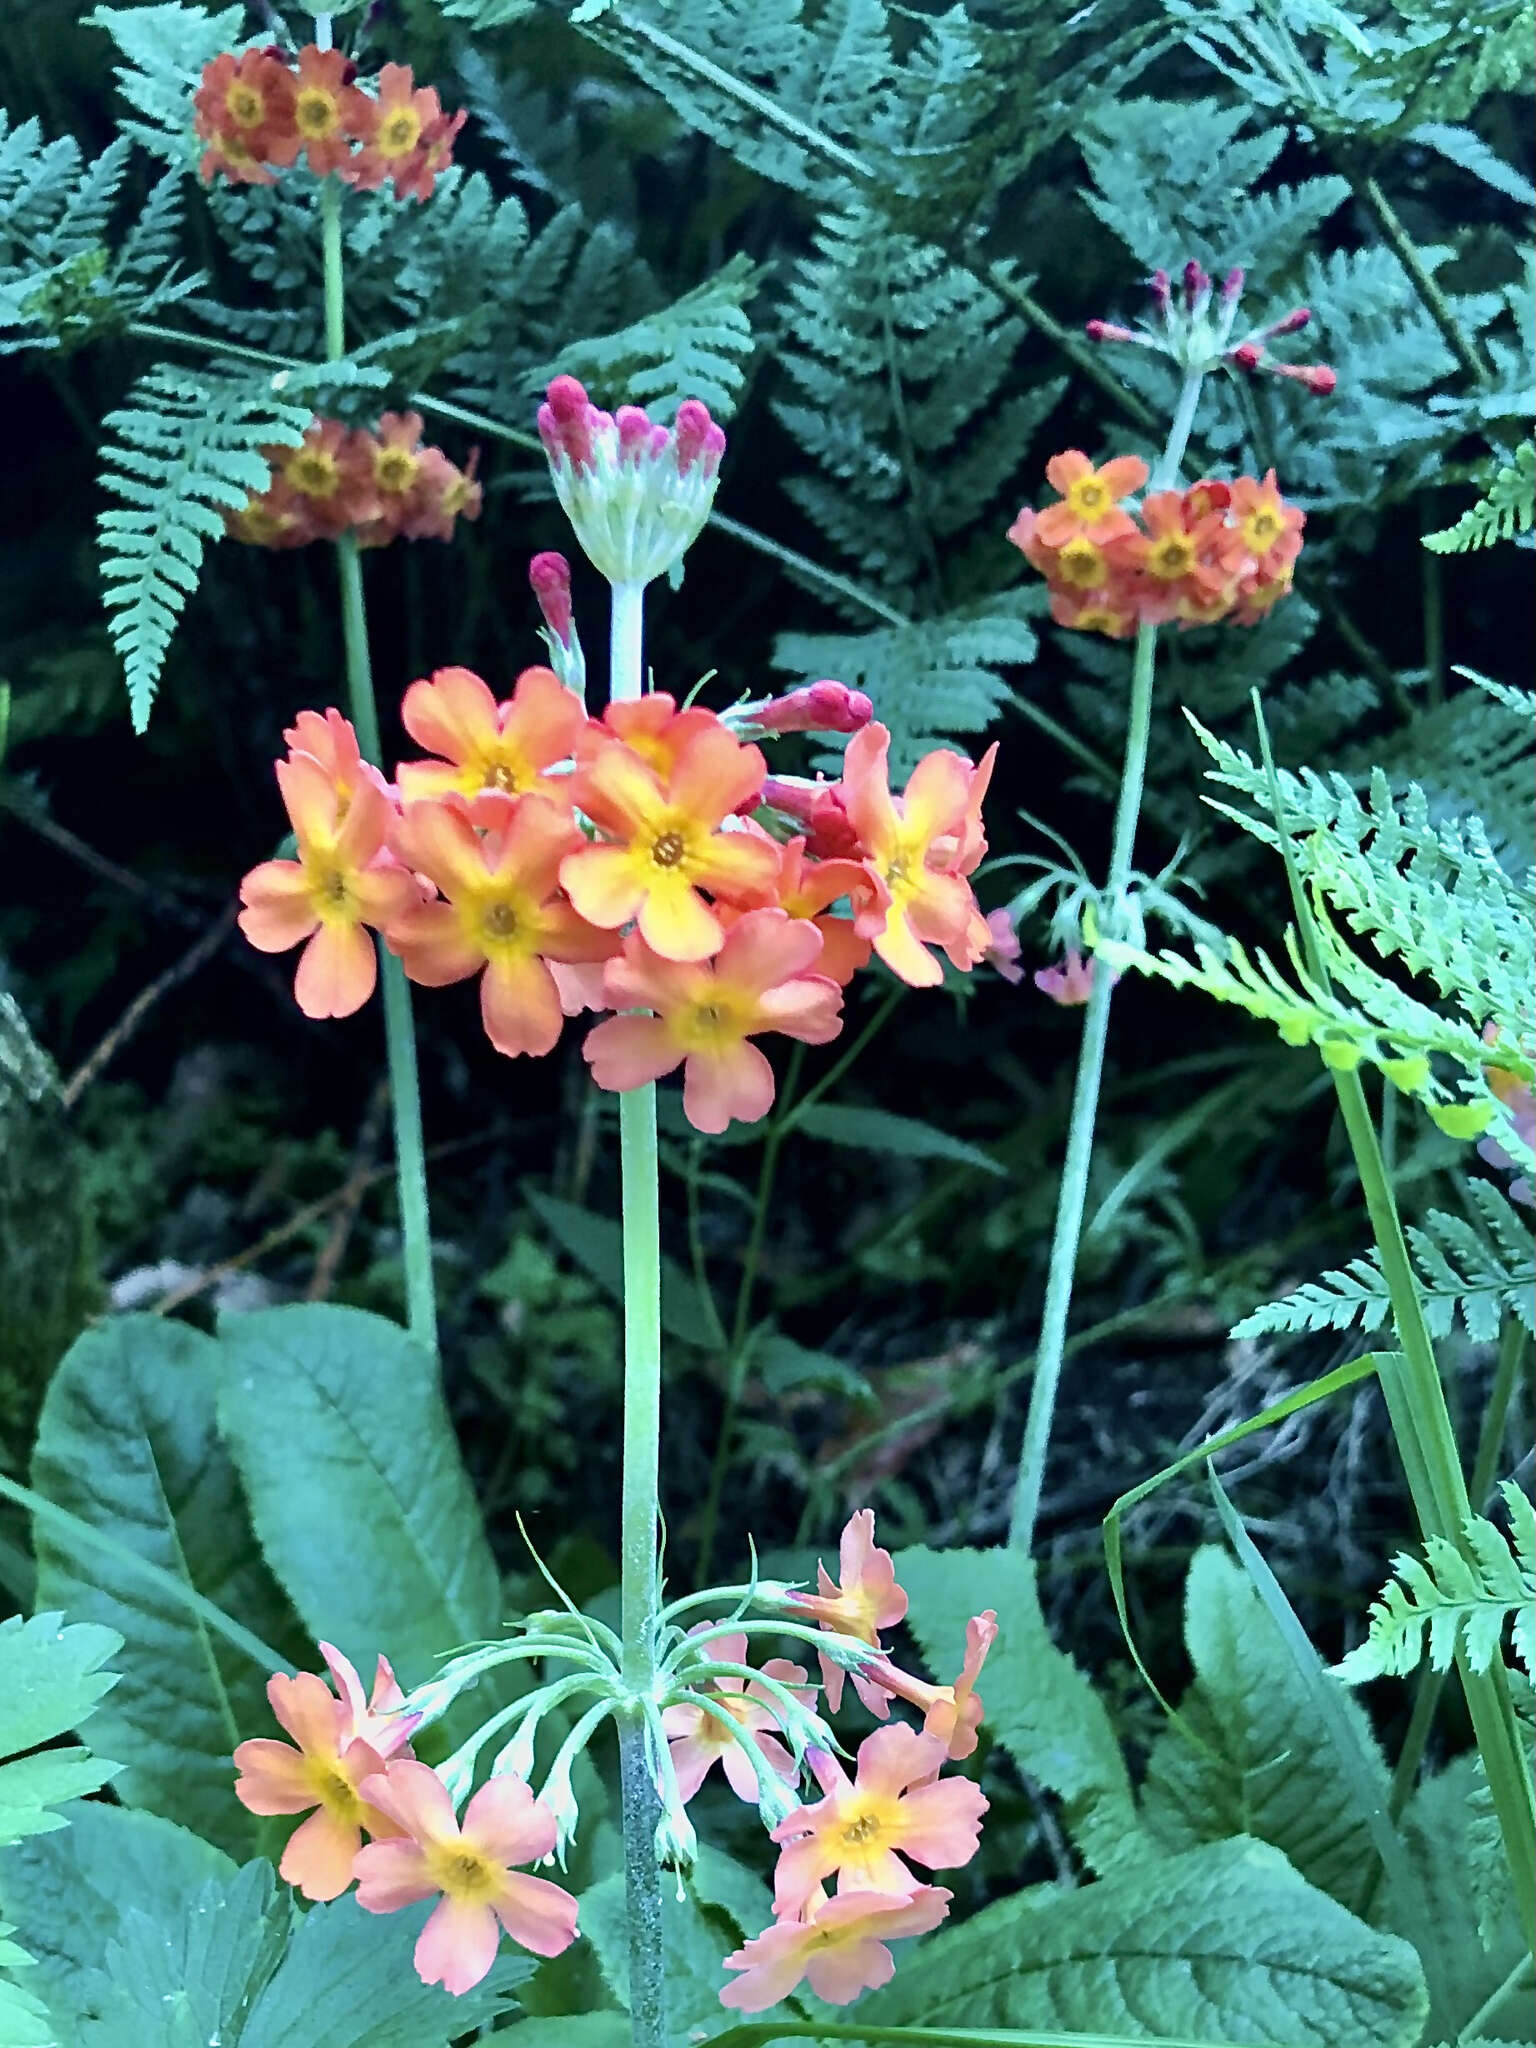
381, 486
1216, 551
642, 862
351, 1769
1193, 324
263, 111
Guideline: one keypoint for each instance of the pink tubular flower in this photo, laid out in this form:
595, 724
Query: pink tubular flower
706, 1014
838, 1947
339, 1743
549, 578
867, 1600
343, 881
698, 1741
483, 744
951, 1713
895, 1807
1004, 949
915, 847
470, 1867
1071, 984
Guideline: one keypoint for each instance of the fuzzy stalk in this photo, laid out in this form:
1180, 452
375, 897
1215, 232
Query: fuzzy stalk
1066, 1235
399, 1028
640, 1517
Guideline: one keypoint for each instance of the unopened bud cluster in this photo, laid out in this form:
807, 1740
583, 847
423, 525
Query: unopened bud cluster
1193, 324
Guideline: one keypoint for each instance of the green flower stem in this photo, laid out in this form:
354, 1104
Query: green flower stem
1442, 1504
640, 1518
399, 1029
1436, 304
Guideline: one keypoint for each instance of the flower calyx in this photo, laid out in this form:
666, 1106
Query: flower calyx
1192, 323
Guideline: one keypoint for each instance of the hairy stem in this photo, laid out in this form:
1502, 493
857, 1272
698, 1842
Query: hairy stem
399, 1029
1072, 1197
639, 1509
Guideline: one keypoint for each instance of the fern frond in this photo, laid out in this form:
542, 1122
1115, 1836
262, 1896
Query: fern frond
1507, 507
1461, 1600
697, 347
164, 48
186, 448
1475, 1274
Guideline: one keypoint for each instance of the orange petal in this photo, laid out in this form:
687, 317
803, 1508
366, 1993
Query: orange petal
606, 884
367, 824
319, 1856
274, 1778
423, 781
544, 717
567, 936
739, 865
714, 775
675, 922
520, 1006
732, 1084
618, 792
537, 838
277, 911
1122, 475
438, 840
337, 971
766, 947
384, 893
454, 714
897, 944
808, 1008
431, 942
935, 798
309, 798
1063, 471
866, 788
625, 1052
306, 1707
641, 979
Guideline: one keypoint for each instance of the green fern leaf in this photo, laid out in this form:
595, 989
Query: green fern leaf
187, 448
164, 48
1456, 1600
1508, 507
695, 348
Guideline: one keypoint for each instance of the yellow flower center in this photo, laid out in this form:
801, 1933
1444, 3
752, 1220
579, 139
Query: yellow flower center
1173, 557
456, 496
335, 1790
500, 921
244, 104
1081, 564
399, 132
394, 469
330, 893
669, 849
1088, 498
864, 1829
316, 114
313, 472
1096, 619
464, 1873
1262, 529
234, 149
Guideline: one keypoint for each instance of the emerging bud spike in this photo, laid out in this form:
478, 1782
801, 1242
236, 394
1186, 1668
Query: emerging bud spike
549, 576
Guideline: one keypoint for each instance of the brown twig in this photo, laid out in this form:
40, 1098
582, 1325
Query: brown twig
350, 1198
197, 955
300, 1221
86, 856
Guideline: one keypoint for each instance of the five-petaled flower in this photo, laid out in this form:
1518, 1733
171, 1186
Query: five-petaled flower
497, 861
667, 845
706, 1014
340, 1742
468, 1868
864, 1600
699, 1739
1090, 498
485, 745
344, 880
837, 1946
895, 1807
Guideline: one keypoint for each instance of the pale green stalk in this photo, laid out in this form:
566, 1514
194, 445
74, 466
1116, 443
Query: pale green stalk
639, 1511
1073, 1194
399, 1029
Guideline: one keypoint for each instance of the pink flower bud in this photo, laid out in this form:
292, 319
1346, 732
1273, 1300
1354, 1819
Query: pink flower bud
656, 443
714, 448
1232, 287
1003, 947
1247, 355
1196, 284
1293, 322
691, 435
549, 432
549, 576
820, 707
1071, 984
1109, 330
572, 417
634, 425
1314, 377
1162, 291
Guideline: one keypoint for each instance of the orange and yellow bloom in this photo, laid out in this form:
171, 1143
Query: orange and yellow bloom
951, 1713
706, 1014
837, 1946
862, 1601
481, 744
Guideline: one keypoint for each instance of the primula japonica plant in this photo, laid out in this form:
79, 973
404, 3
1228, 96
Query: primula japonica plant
371, 1785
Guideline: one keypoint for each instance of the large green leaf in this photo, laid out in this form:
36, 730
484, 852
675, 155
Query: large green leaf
1268, 1768
347, 1982
1038, 1704
128, 1442
881, 1130
336, 1421
69, 1891
1225, 1943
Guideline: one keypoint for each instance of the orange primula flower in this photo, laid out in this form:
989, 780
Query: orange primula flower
243, 110
1176, 561
706, 1013
497, 861
867, 1600
443, 493
336, 1744
951, 1713
1264, 537
328, 110
330, 472
486, 745
1090, 498
836, 1945
925, 900
343, 880
668, 845
1111, 611
406, 135
650, 726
